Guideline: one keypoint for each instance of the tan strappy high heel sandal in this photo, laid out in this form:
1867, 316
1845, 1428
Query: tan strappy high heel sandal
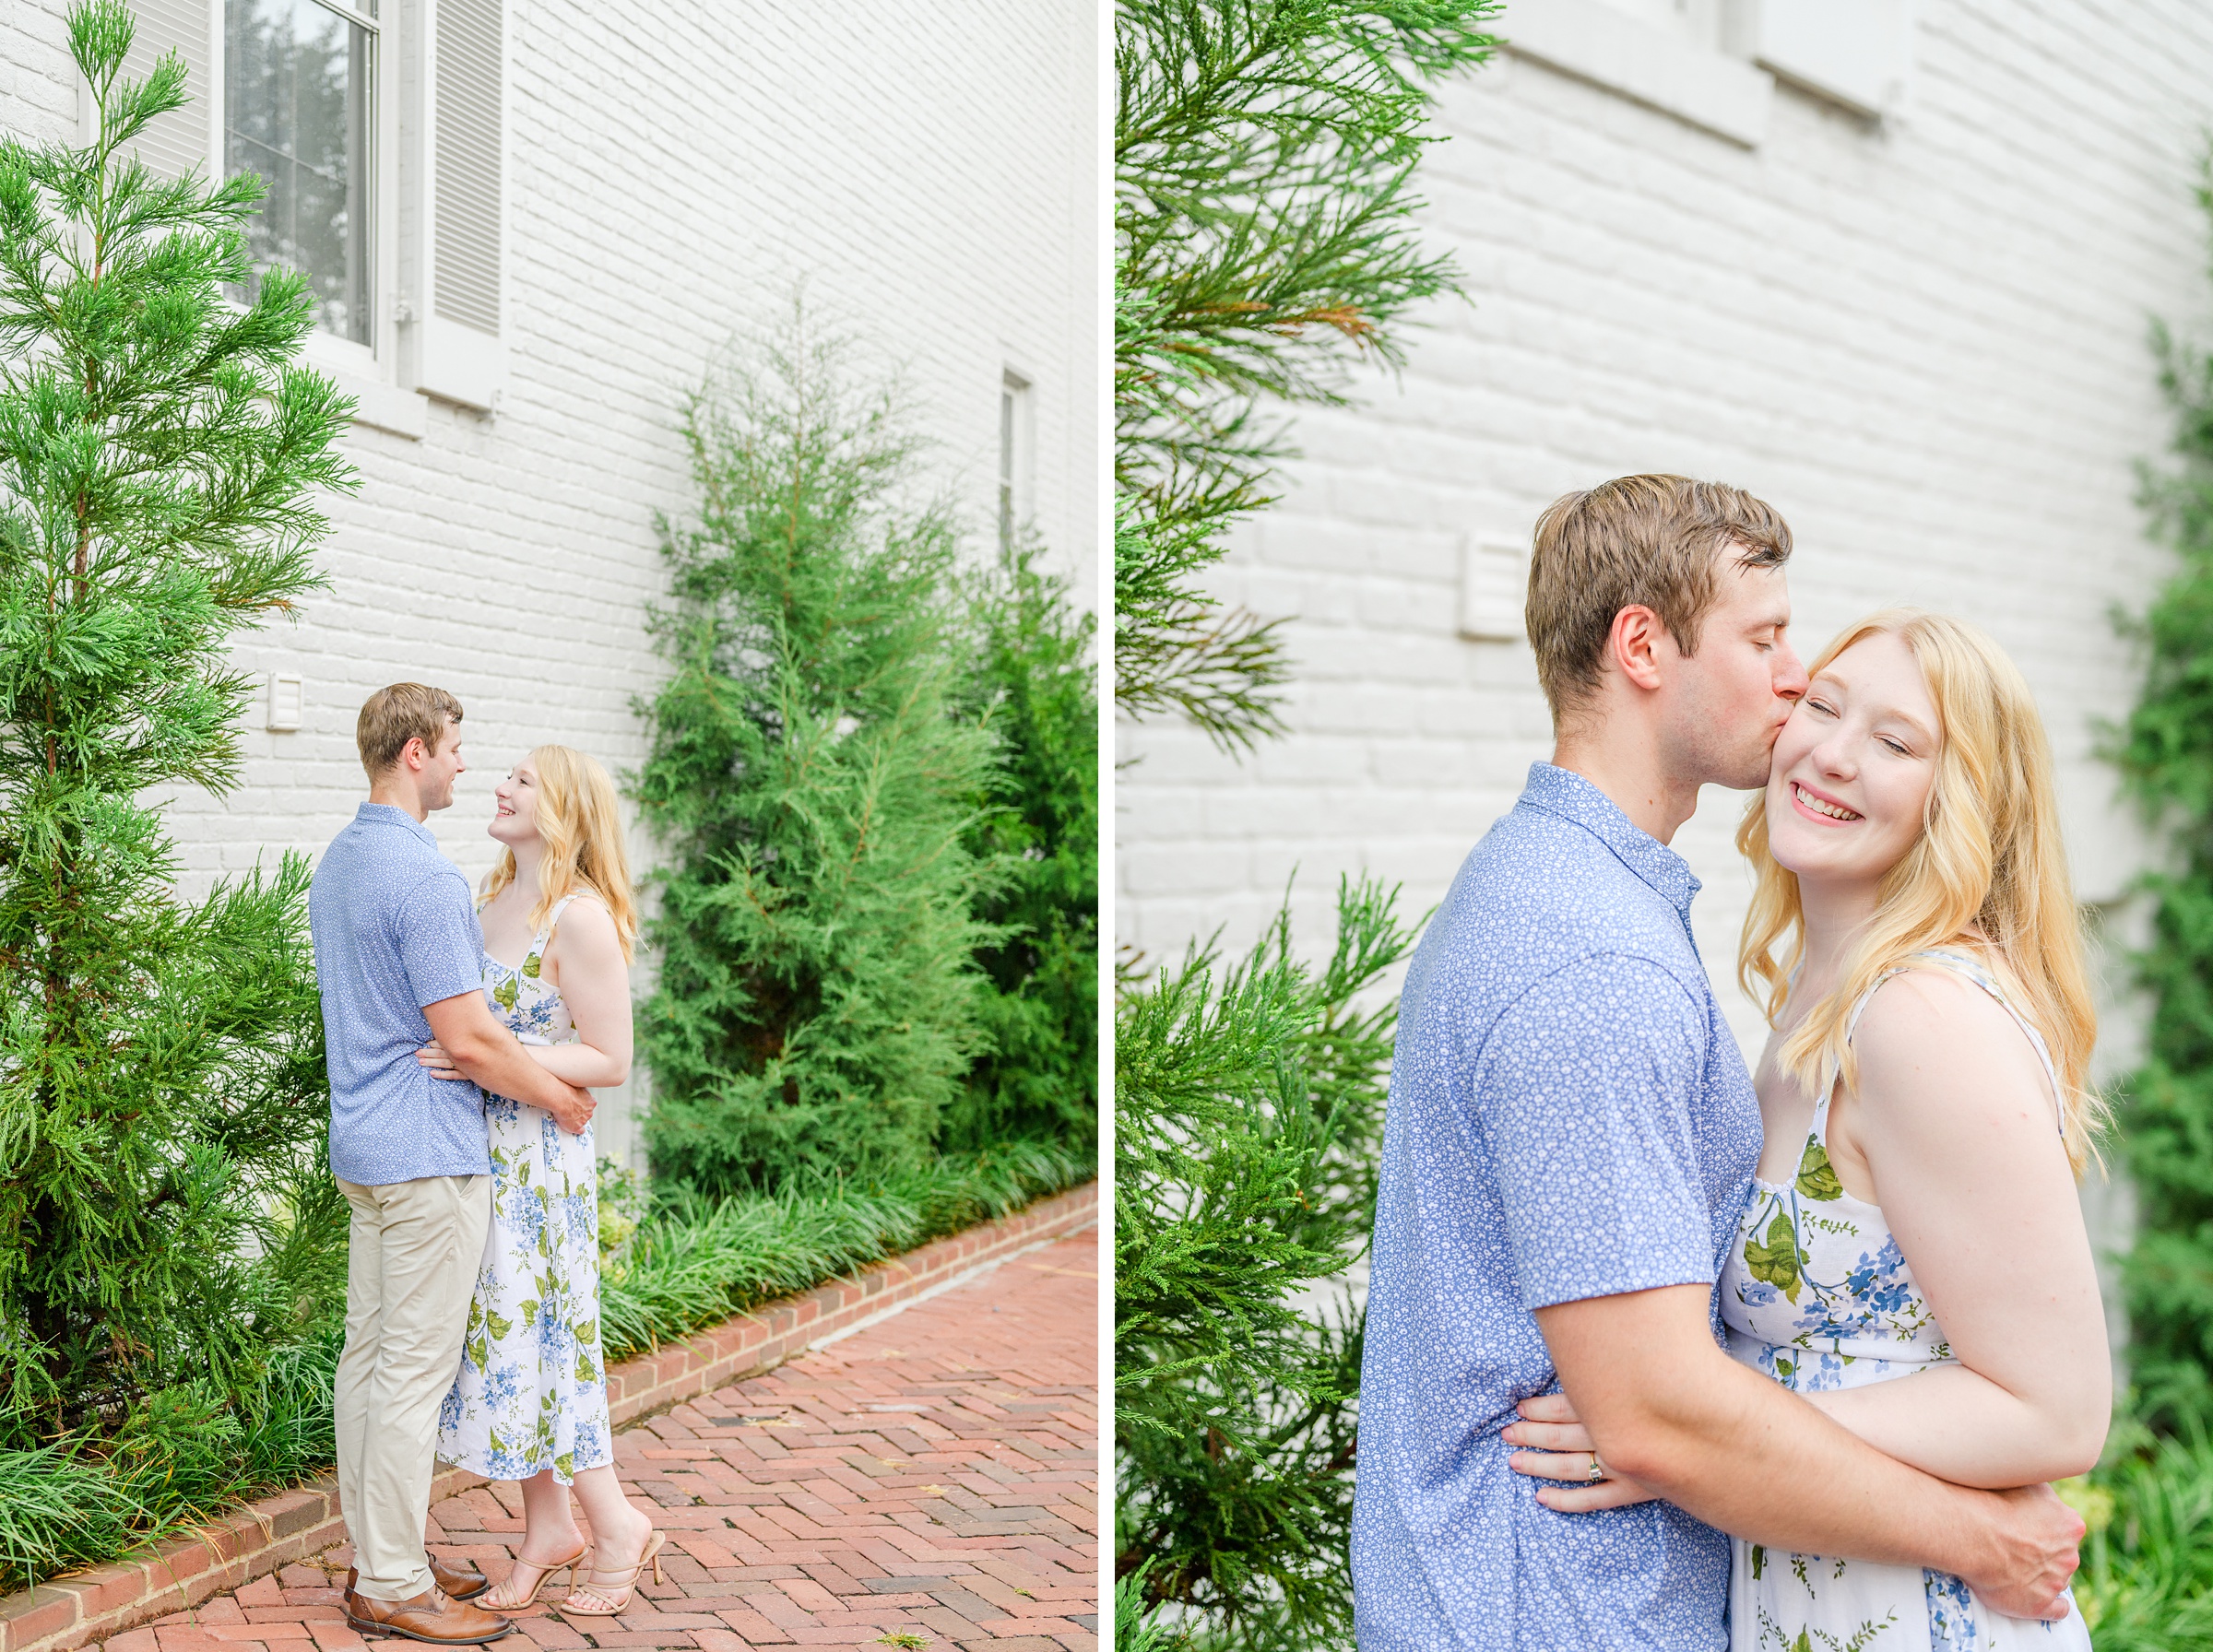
624, 1586
491, 1598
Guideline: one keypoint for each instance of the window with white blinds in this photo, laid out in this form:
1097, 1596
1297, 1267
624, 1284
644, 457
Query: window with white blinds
175, 143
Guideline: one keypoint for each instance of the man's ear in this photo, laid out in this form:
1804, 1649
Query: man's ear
414, 754
1633, 644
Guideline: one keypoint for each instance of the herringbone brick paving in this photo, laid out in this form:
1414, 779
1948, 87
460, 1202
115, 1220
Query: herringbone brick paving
932, 1479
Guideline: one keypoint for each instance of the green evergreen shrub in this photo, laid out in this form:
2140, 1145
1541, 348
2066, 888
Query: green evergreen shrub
2165, 754
819, 999
1033, 684
166, 1220
1248, 1118
1265, 152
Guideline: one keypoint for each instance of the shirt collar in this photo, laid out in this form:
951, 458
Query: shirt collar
385, 814
1565, 793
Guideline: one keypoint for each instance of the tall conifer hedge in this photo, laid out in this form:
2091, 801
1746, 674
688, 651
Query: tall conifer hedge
2165, 753
165, 1216
819, 995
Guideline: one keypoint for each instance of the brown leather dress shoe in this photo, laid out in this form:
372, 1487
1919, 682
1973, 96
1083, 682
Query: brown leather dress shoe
430, 1616
456, 1583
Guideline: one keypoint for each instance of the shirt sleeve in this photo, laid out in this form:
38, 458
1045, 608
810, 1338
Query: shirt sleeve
1585, 1093
441, 943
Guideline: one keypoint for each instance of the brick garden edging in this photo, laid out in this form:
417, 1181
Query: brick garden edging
259, 1538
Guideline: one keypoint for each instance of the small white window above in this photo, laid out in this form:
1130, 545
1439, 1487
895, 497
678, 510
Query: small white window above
1858, 54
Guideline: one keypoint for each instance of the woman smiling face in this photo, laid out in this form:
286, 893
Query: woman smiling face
514, 806
1849, 787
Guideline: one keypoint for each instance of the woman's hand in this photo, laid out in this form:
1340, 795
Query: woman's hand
1561, 1449
433, 1056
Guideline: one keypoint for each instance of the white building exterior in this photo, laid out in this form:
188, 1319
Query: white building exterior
1902, 290
561, 213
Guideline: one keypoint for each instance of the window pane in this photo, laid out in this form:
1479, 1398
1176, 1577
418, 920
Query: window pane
296, 79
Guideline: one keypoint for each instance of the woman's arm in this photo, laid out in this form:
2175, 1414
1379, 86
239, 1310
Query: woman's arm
586, 958
1957, 1123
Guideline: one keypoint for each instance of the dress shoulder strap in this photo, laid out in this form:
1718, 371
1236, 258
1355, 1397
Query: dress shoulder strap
545, 932
1973, 969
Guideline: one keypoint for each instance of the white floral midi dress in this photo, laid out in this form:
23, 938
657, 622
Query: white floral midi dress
1816, 1293
532, 1390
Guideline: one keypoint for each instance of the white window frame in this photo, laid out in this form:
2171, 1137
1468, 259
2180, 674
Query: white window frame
366, 372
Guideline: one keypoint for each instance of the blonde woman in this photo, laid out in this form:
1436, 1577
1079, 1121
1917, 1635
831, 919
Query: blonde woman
1927, 1114
530, 1401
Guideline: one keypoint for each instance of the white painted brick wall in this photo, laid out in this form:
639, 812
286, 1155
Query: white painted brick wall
1924, 342
928, 172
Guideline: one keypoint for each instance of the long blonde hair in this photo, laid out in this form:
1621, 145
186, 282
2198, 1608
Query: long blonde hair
1988, 864
581, 823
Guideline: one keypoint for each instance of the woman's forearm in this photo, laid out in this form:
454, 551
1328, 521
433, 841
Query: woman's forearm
579, 1064
1958, 1426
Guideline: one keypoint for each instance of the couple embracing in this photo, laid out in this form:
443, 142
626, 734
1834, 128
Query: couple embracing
465, 1038
1662, 1353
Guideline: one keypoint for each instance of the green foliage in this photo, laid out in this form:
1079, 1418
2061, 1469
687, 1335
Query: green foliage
818, 1001
1248, 1113
2147, 1578
2165, 754
165, 1218
1265, 154
185, 1455
1034, 685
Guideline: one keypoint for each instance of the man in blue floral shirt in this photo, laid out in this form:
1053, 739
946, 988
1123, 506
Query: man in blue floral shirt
1570, 1137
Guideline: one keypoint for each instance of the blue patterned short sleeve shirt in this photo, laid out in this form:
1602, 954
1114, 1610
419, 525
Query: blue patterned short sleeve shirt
1570, 1117
394, 929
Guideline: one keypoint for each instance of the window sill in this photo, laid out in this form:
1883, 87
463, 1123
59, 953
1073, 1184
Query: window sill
1592, 41
381, 406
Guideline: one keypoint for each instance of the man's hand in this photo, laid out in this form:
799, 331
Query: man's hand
1561, 1449
2039, 1538
466, 1033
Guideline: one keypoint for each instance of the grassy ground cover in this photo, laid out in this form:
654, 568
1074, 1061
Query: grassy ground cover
189, 1451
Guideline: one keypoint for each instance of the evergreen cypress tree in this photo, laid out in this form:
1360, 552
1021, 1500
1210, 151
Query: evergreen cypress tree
1264, 156
165, 1215
1265, 152
1033, 685
819, 999
2165, 753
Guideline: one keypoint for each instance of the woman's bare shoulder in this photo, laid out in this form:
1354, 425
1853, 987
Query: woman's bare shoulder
587, 925
1930, 1032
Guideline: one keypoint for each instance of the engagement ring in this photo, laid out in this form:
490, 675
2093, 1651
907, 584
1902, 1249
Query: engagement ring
1598, 1470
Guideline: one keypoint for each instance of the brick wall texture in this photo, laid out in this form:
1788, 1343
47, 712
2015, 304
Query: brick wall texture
674, 172
1924, 340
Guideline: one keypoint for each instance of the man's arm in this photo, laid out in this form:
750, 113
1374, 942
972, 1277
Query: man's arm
1671, 1410
485, 1051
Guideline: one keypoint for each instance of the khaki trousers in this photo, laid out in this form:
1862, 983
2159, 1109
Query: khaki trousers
411, 1269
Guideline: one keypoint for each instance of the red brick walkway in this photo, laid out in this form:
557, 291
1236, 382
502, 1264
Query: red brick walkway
930, 1481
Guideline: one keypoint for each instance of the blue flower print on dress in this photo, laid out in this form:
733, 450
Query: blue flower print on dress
531, 1395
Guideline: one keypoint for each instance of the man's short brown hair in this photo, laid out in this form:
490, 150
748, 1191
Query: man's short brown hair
1637, 541
393, 715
